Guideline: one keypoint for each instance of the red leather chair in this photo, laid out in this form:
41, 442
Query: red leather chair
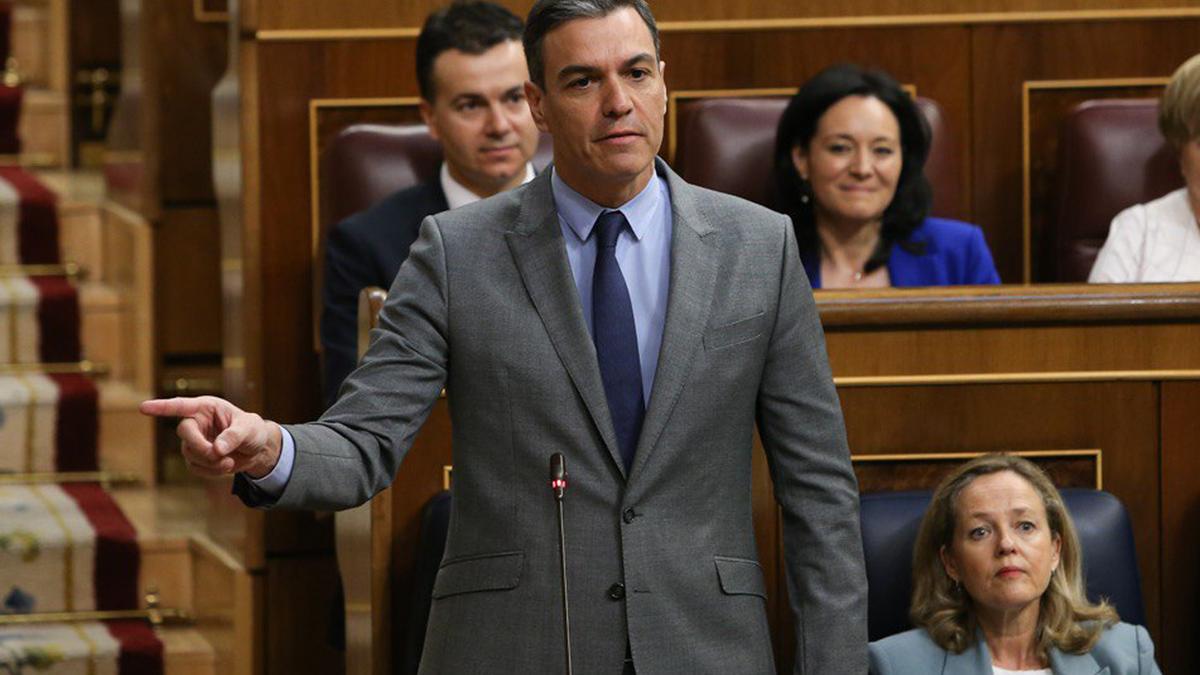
1111, 156
364, 163
728, 144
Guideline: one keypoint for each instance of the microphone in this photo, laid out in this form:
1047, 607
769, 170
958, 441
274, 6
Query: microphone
558, 483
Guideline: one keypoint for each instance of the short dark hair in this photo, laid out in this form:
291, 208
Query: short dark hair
470, 26
909, 206
547, 15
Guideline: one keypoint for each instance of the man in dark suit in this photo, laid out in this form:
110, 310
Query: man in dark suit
471, 72
639, 325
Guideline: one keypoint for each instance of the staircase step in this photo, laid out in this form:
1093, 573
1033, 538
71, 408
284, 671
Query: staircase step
185, 651
44, 128
126, 443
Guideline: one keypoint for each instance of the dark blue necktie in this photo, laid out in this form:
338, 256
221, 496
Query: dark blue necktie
616, 337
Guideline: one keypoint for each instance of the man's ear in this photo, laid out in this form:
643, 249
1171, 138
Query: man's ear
662, 74
426, 109
535, 97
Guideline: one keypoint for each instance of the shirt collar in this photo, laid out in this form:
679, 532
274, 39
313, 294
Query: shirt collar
458, 194
580, 213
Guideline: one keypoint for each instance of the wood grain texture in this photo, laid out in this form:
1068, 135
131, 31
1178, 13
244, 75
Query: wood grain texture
314, 14
1007, 56
1180, 498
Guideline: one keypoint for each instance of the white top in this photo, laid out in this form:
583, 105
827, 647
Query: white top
458, 194
1158, 241
997, 670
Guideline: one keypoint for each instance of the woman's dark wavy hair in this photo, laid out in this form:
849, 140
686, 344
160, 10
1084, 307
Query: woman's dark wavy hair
797, 127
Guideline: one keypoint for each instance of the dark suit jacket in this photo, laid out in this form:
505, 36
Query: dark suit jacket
366, 250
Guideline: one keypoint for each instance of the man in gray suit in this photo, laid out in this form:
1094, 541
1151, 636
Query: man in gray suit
640, 326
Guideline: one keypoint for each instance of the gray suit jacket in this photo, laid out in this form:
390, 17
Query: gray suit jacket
1123, 649
662, 559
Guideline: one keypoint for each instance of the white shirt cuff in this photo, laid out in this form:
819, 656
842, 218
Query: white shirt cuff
274, 482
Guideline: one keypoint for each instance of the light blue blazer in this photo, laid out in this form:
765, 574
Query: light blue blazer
1122, 649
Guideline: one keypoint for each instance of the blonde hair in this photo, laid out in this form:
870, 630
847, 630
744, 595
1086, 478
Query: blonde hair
1066, 620
1179, 109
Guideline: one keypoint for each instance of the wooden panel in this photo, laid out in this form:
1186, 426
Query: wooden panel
300, 73
1047, 105
299, 604
924, 471
933, 61
1005, 58
373, 14
1180, 586
187, 273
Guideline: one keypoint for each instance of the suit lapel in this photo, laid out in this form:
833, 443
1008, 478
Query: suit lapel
977, 659
1074, 664
694, 267
537, 247
974, 660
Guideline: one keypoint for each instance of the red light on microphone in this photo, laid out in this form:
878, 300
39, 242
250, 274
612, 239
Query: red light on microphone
558, 483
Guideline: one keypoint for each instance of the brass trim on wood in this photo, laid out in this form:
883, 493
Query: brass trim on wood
69, 270
84, 367
754, 25
315, 106
1027, 149
960, 456
447, 475
156, 617
1063, 377
64, 477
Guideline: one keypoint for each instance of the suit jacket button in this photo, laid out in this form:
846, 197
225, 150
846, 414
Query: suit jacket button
617, 591
628, 516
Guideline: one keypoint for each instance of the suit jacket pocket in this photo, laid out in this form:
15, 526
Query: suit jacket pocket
487, 572
734, 333
740, 576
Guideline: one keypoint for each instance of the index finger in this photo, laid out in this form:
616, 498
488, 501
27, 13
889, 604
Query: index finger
171, 407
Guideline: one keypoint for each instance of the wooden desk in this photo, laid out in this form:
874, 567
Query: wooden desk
1099, 382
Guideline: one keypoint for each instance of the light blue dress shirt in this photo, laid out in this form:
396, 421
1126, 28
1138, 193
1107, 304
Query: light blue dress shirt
644, 254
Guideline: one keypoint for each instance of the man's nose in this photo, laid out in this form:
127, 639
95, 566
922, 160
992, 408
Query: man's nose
498, 122
617, 102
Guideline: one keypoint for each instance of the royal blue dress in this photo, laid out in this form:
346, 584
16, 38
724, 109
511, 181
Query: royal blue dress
956, 254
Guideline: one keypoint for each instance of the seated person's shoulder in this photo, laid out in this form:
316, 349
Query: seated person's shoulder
1122, 647
406, 206
1166, 210
903, 652
948, 233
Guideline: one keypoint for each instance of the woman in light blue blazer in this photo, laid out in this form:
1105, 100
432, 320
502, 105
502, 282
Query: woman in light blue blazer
998, 586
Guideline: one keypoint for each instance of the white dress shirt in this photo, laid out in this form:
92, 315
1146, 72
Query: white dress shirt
1158, 241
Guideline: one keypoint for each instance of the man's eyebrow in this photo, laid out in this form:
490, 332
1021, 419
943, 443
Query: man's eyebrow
580, 69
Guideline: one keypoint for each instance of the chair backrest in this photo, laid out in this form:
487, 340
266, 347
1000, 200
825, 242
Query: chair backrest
1111, 156
435, 526
364, 163
889, 527
728, 144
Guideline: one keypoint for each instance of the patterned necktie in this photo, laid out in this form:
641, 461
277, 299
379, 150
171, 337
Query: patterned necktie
616, 337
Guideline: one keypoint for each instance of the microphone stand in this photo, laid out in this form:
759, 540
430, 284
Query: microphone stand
558, 482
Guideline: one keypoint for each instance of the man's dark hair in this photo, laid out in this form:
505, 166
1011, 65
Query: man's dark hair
547, 15
470, 26
797, 127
